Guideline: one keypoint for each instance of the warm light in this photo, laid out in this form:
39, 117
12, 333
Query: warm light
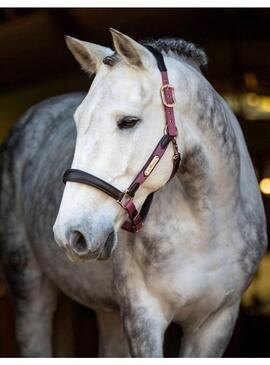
253, 99
251, 105
233, 101
265, 186
266, 104
259, 290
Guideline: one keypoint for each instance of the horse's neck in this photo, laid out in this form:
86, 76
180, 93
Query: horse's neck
210, 155
206, 186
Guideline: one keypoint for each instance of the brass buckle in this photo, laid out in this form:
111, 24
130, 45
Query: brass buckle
162, 93
125, 199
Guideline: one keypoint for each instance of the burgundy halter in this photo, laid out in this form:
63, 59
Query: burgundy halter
125, 199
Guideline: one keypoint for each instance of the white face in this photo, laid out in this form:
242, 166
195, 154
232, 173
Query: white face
118, 125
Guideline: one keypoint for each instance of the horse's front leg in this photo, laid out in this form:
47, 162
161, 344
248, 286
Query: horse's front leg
212, 338
144, 325
144, 322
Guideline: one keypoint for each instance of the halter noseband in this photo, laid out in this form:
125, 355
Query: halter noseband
125, 199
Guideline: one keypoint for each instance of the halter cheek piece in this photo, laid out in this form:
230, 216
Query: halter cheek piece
125, 199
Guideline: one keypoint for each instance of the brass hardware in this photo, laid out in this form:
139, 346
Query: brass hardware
162, 93
165, 130
151, 166
124, 200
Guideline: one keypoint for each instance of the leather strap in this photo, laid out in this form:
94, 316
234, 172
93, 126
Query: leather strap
88, 179
167, 91
159, 58
141, 177
129, 226
136, 218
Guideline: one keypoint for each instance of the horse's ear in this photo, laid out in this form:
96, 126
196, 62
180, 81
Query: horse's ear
89, 55
132, 52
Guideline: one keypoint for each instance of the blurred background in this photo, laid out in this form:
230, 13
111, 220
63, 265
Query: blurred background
35, 64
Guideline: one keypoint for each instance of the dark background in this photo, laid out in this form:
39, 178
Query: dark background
35, 64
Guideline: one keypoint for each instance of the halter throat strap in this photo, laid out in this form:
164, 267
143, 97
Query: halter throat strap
125, 199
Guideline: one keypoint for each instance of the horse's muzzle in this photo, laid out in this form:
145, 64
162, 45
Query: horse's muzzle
78, 248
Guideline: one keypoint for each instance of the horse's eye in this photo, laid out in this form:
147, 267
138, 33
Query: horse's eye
127, 122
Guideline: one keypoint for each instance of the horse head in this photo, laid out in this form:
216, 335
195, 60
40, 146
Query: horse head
118, 124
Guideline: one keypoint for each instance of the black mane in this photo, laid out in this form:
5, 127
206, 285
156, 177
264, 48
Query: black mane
180, 48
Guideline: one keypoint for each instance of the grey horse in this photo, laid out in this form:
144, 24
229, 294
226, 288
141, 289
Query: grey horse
202, 239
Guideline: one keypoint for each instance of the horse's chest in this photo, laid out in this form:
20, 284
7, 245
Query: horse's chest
186, 281
193, 281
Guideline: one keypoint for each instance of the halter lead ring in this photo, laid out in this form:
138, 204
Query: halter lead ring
125, 199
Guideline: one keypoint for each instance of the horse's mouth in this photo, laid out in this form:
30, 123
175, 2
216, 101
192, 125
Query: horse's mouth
73, 257
107, 249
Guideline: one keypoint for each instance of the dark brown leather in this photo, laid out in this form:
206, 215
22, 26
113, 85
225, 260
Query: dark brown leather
88, 179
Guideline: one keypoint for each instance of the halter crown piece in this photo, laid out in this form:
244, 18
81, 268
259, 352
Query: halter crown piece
125, 199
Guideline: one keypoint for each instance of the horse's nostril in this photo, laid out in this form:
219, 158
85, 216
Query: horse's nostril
78, 243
